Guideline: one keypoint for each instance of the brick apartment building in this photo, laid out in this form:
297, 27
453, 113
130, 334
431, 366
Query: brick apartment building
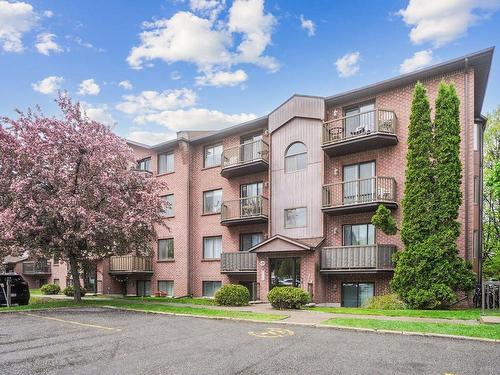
287, 199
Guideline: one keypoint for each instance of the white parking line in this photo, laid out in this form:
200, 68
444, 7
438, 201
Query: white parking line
72, 322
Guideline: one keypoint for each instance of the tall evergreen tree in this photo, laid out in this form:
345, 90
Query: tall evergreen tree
417, 206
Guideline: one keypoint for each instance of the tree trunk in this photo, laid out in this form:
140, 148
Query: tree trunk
73, 266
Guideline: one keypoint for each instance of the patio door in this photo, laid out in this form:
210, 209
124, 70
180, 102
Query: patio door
359, 120
144, 288
250, 148
359, 183
356, 294
250, 199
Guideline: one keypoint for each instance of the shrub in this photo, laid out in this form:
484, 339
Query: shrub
232, 295
288, 297
385, 302
70, 291
50, 289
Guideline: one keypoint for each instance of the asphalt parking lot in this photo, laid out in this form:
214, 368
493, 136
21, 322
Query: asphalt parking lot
100, 341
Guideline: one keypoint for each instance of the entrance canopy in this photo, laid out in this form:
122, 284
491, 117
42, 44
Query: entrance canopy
279, 243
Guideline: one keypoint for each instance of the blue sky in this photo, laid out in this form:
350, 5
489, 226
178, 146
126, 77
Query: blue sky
154, 67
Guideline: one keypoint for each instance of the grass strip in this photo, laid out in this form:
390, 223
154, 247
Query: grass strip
183, 300
479, 330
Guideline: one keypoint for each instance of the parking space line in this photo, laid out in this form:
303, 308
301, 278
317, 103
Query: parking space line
72, 322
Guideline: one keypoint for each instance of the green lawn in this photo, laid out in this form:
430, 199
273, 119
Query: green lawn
44, 303
466, 314
185, 300
477, 330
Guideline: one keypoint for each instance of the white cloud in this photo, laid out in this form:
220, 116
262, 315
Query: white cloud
45, 44
88, 87
208, 42
194, 119
348, 65
150, 138
175, 75
210, 8
443, 21
48, 13
16, 19
151, 101
307, 25
126, 85
48, 85
220, 78
418, 61
99, 113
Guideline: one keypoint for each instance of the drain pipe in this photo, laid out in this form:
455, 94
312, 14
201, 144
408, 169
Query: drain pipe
481, 201
466, 169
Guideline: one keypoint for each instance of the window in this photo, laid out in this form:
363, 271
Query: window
295, 217
359, 234
56, 281
166, 287
143, 288
356, 294
476, 190
210, 287
251, 148
475, 244
168, 205
359, 120
284, 272
295, 157
166, 249
476, 137
359, 183
212, 247
166, 162
213, 155
249, 240
144, 164
212, 201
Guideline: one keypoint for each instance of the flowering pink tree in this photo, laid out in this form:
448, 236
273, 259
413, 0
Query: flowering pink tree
68, 190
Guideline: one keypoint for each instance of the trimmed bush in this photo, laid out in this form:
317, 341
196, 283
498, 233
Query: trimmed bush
232, 295
50, 289
287, 297
385, 302
70, 291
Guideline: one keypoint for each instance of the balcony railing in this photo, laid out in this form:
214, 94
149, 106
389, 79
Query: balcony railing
363, 257
356, 194
244, 159
36, 268
365, 130
245, 210
130, 264
241, 262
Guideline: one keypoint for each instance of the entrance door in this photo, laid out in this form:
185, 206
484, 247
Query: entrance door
250, 201
252, 288
144, 288
250, 148
359, 120
359, 182
356, 294
284, 272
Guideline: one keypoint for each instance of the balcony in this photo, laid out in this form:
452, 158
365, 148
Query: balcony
238, 263
36, 268
362, 195
360, 132
250, 210
129, 265
245, 159
362, 259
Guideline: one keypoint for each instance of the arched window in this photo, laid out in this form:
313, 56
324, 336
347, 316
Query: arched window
295, 157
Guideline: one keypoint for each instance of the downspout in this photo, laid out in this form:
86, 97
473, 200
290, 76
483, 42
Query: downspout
466, 168
188, 229
481, 202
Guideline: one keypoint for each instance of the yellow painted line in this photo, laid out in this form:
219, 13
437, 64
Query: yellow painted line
270, 333
71, 322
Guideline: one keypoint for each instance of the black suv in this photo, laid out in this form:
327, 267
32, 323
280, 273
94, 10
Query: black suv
20, 292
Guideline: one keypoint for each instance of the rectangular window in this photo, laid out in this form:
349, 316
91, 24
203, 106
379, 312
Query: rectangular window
144, 164
166, 162
56, 281
476, 137
213, 155
356, 294
168, 205
166, 287
166, 249
359, 120
359, 234
143, 288
475, 243
212, 201
476, 190
295, 217
249, 240
212, 247
210, 287
359, 183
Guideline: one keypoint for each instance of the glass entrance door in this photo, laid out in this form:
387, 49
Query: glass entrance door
250, 201
359, 120
359, 182
250, 148
284, 272
143, 288
356, 294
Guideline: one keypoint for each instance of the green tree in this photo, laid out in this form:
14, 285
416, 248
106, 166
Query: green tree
383, 220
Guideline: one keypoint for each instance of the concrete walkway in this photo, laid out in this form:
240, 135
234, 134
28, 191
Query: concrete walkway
490, 319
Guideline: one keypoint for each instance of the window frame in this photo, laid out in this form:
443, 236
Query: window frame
167, 259
205, 282
295, 226
250, 234
367, 232
165, 281
164, 212
213, 145
477, 190
205, 238
287, 157
166, 153
203, 202
143, 160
